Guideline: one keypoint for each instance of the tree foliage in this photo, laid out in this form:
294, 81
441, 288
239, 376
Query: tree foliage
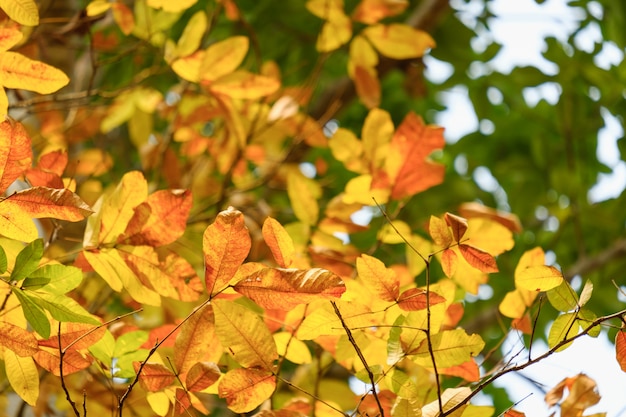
221, 206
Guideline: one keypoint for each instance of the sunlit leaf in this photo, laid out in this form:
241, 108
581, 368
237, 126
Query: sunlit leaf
284, 289
60, 278
159, 402
367, 86
3, 261
399, 41
450, 398
226, 243
9, 37
40, 202
34, 313
377, 278
19, 340
279, 242
303, 194
450, 348
244, 335
620, 349
347, 148
539, 278
223, 57
439, 231
563, 297
586, 292
416, 299
24, 12
75, 336
406, 407
202, 375
73, 361
15, 152
24, 73
513, 413
479, 259
27, 260
408, 165
515, 303
291, 348
564, 327
159, 220
371, 11
63, 308
245, 389
191, 38
23, 376
331, 10
245, 85
469, 371
171, 6
195, 340
457, 224
478, 210
154, 376
488, 236
583, 393
449, 262
123, 17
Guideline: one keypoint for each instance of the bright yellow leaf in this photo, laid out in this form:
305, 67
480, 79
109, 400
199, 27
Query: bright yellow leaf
538, 278
97, 7
347, 148
222, 58
17, 224
291, 348
515, 303
9, 37
376, 134
245, 85
399, 41
361, 53
159, 402
334, 34
330, 10
191, 38
359, 190
15, 152
244, 335
23, 376
17, 71
188, 67
279, 242
450, 348
24, 12
171, 6
303, 194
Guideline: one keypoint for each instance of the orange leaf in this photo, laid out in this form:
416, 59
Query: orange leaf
195, 340
367, 86
202, 375
439, 232
399, 41
55, 203
279, 242
415, 299
182, 403
283, 289
226, 244
73, 361
508, 220
407, 164
23, 73
245, 85
620, 349
245, 389
19, 340
123, 17
246, 337
15, 153
513, 413
522, 324
39, 178
79, 335
458, 225
55, 162
159, 220
382, 281
371, 11
154, 376
479, 259
468, 371
449, 262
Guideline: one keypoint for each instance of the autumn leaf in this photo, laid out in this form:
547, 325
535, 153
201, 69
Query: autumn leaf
439, 231
245, 85
399, 41
226, 244
39, 202
479, 259
223, 57
377, 278
515, 303
245, 389
24, 12
449, 262
564, 327
292, 349
415, 299
195, 340
469, 371
408, 166
583, 394
450, 348
202, 375
19, 340
303, 194
154, 376
450, 398
284, 289
171, 7
371, 11
279, 242
477, 210
73, 361
620, 349
458, 225
159, 220
23, 376
538, 278
15, 152
244, 335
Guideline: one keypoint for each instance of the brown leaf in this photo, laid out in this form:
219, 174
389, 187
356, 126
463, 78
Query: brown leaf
79, 335
479, 259
283, 289
458, 225
154, 376
245, 389
508, 220
202, 375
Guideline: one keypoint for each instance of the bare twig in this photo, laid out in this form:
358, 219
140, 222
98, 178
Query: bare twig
361, 357
63, 385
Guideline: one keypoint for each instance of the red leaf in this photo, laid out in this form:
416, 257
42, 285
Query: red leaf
415, 299
468, 371
479, 259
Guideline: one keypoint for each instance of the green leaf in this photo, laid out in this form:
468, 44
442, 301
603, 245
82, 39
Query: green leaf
34, 314
31, 283
103, 348
395, 353
585, 318
563, 297
129, 342
3, 261
27, 260
61, 278
63, 308
124, 363
564, 327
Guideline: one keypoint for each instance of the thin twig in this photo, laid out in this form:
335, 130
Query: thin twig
67, 392
532, 334
361, 357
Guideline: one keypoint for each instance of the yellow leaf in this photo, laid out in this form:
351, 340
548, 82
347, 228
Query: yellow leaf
17, 339
123, 17
225, 244
564, 327
303, 194
202, 375
246, 389
279, 242
188, 67
347, 148
362, 53
97, 7
376, 135
16, 154
489, 236
399, 41
450, 398
171, 6
291, 348
24, 12
371, 11
23, 376
44, 202
388, 234
439, 232
334, 34
9, 37
538, 278
222, 58
191, 38
515, 303
377, 278
324, 321
331, 10
245, 85
367, 86
244, 335
450, 348
20, 72
159, 402
17, 224
359, 190
4, 103
154, 376
196, 340
284, 289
